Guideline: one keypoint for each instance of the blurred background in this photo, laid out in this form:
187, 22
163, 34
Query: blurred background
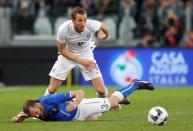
149, 39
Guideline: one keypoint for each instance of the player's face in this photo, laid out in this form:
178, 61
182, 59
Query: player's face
35, 111
80, 22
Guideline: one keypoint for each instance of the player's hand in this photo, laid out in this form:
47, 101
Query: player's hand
88, 64
71, 106
100, 35
20, 117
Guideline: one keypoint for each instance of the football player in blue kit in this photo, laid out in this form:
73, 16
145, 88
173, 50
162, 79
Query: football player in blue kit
72, 106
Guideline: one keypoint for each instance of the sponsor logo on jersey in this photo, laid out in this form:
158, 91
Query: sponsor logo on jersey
88, 36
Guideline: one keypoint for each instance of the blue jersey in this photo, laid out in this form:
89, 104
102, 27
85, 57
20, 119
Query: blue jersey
55, 107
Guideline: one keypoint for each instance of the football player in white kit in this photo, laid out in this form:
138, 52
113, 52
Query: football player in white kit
74, 40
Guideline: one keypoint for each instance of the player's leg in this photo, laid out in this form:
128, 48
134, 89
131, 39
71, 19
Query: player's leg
102, 91
58, 74
89, 109
123, 92
100, 87
53, 86
96, 78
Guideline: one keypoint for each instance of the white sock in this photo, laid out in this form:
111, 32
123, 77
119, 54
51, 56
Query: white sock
46, 92
119, 95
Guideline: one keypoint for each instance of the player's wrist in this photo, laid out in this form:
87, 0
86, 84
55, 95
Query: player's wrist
79, 61
77, 103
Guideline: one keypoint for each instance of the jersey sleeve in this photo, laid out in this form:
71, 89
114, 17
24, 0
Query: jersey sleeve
61, 97
61, 34
94, 25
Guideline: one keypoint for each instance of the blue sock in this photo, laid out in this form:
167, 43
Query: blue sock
126, 91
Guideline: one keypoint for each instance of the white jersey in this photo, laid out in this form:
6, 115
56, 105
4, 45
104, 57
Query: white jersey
78, 43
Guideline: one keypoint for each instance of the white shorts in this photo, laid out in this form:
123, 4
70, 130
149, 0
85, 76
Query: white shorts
63, 66
89, 107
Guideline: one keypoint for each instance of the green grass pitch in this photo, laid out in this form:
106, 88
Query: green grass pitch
177, 101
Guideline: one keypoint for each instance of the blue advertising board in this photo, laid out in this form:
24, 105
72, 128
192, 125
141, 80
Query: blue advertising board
162, 67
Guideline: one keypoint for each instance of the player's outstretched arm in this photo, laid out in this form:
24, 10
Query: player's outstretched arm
78, 95
19, 117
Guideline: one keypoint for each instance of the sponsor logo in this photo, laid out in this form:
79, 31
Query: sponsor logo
88, 36
125, 68
168, 68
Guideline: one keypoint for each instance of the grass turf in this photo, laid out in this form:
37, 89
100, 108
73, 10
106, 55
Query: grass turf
177, 101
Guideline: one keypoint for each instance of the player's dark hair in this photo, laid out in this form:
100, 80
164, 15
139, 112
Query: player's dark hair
27, 105
77, 10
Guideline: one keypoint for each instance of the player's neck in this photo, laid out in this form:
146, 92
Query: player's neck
77, 30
